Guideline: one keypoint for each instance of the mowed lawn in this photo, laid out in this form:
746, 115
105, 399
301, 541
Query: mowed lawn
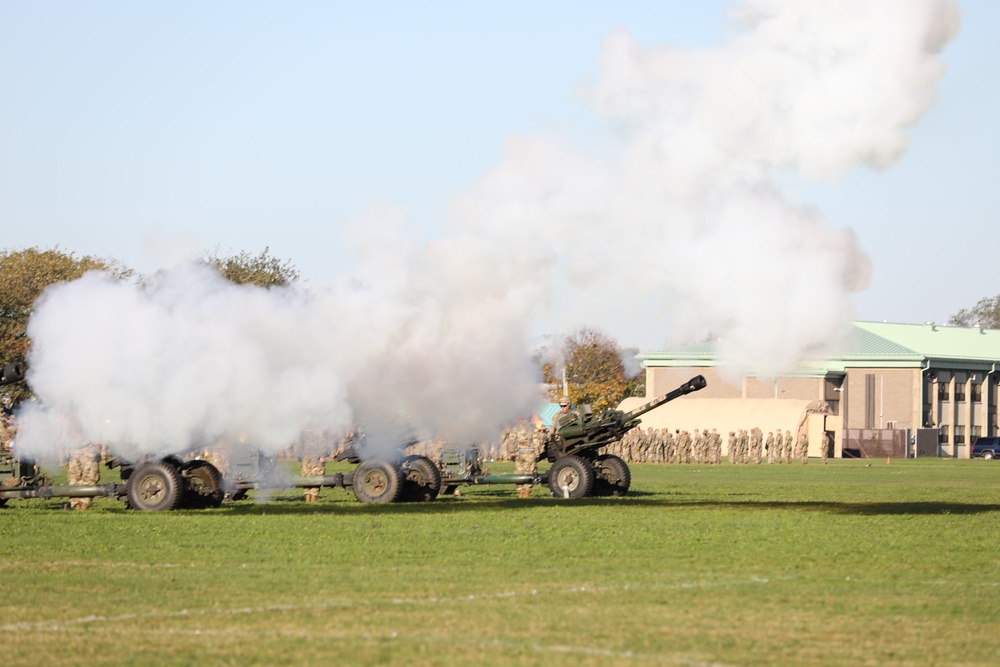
853, 563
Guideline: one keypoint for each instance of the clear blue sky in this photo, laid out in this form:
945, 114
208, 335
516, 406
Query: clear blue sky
251, 124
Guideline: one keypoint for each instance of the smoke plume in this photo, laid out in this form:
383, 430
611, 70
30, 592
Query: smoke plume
679, 227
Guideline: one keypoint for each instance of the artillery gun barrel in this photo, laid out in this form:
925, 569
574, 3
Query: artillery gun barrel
110, 490
692, 385
501, 478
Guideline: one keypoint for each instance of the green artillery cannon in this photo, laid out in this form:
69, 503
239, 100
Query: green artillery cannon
577, 468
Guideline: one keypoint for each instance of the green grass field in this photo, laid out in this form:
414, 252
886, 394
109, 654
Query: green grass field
854, 563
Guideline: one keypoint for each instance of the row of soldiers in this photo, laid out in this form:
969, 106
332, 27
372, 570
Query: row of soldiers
681, 446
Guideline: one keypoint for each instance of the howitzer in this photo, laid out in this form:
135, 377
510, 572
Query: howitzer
578, 432
577, 469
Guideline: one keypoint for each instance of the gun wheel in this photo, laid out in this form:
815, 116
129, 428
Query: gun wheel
422, 479
572, 477
155, 487
378, 482
202, 485
613, 478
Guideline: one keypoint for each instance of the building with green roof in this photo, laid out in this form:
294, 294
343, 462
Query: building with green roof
913, 388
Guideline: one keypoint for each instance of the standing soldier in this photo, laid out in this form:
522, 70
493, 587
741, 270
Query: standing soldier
313, 462
715, 440
789, 447
661, 445
526, 455
668, 446
825, 441
651, 445
731, 444
803, 447
769, 446
756, 444
699, 446
84, 470
685, 447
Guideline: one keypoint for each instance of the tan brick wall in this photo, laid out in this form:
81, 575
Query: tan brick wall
659, 381
894, 396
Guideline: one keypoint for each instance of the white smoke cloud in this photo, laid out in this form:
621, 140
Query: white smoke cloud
681, 228
686, 217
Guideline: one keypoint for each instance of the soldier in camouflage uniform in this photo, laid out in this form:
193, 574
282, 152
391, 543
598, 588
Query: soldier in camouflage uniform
802, 448
715, 447
527, 447
668, 446
825, 443
313, 462
684, 447
661, 445
756, 445
789, 447
697, 446
84, 470
769, 446
731, 445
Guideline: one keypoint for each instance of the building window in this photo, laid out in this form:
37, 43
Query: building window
959, 392
975, 432
977, 392
943, 392
944, 435
959, 435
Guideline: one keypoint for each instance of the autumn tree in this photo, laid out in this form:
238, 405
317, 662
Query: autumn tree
262, 270
986, 313
24, 274
594, 370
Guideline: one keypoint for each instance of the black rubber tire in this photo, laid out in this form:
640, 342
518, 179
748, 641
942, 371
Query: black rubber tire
422, 479
987, 455
155, 487
378, 482
575, 474
202, 485
612, 476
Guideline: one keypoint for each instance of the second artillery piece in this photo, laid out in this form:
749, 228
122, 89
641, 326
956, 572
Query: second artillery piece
578, 469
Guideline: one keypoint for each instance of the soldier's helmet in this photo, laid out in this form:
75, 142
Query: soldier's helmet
564, 401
